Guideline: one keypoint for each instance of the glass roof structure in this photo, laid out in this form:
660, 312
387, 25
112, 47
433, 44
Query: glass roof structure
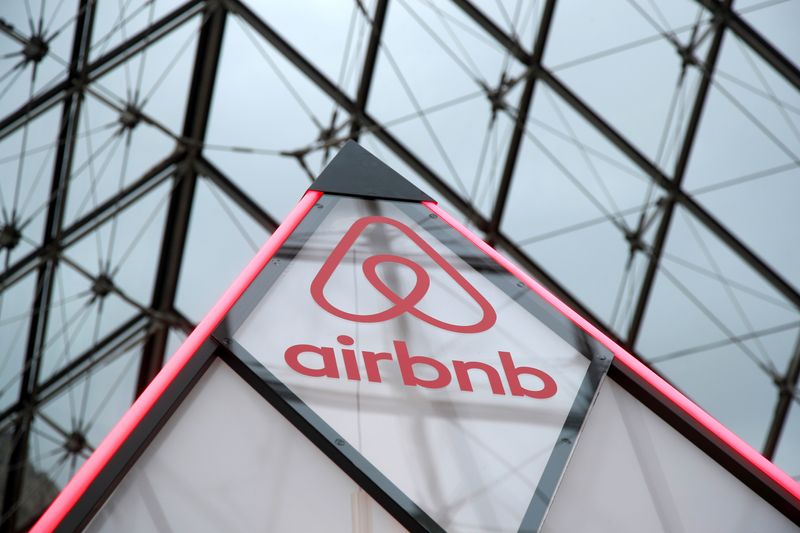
639, 158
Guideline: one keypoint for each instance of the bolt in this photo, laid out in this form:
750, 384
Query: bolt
9, 237
102, 285
130, 117
35, 49
75, 442
634, 239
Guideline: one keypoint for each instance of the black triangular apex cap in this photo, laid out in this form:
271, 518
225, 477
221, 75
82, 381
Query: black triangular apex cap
356, 172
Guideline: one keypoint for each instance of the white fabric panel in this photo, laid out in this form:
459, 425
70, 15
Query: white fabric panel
632, 472
227, 461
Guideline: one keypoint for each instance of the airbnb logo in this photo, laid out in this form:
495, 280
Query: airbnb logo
399, 304
415, 370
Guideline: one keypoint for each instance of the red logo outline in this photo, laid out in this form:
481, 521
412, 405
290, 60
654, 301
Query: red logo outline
401, 304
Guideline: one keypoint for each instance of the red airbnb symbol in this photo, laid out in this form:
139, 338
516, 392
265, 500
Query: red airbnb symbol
401, 304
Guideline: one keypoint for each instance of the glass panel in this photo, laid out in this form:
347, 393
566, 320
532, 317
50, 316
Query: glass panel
628, 67
108, 157
333, 34
236, 465
580, 209
78, 319
734, 329
149, 81
272, 152
750, 122
448, 95
26, 167
15, 315
126, 247
744, 165
214, 263
104, 279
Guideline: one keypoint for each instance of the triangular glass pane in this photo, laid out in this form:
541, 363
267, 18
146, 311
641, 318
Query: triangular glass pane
420, 395
573, 191
213, 212
265, 121
750, 124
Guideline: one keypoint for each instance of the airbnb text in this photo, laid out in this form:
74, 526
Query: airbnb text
418, 370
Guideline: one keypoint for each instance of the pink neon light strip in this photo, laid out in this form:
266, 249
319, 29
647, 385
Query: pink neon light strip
106, 450
654, 380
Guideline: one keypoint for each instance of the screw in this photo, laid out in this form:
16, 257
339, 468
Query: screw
520, 284
227, 341
432, 216
565, 440
340, 442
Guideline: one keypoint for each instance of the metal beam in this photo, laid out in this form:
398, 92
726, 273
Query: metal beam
495, 31
680, 171
754, 40
205, 168
9, 30
522, 118
209, 45
40, 309
367, 72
